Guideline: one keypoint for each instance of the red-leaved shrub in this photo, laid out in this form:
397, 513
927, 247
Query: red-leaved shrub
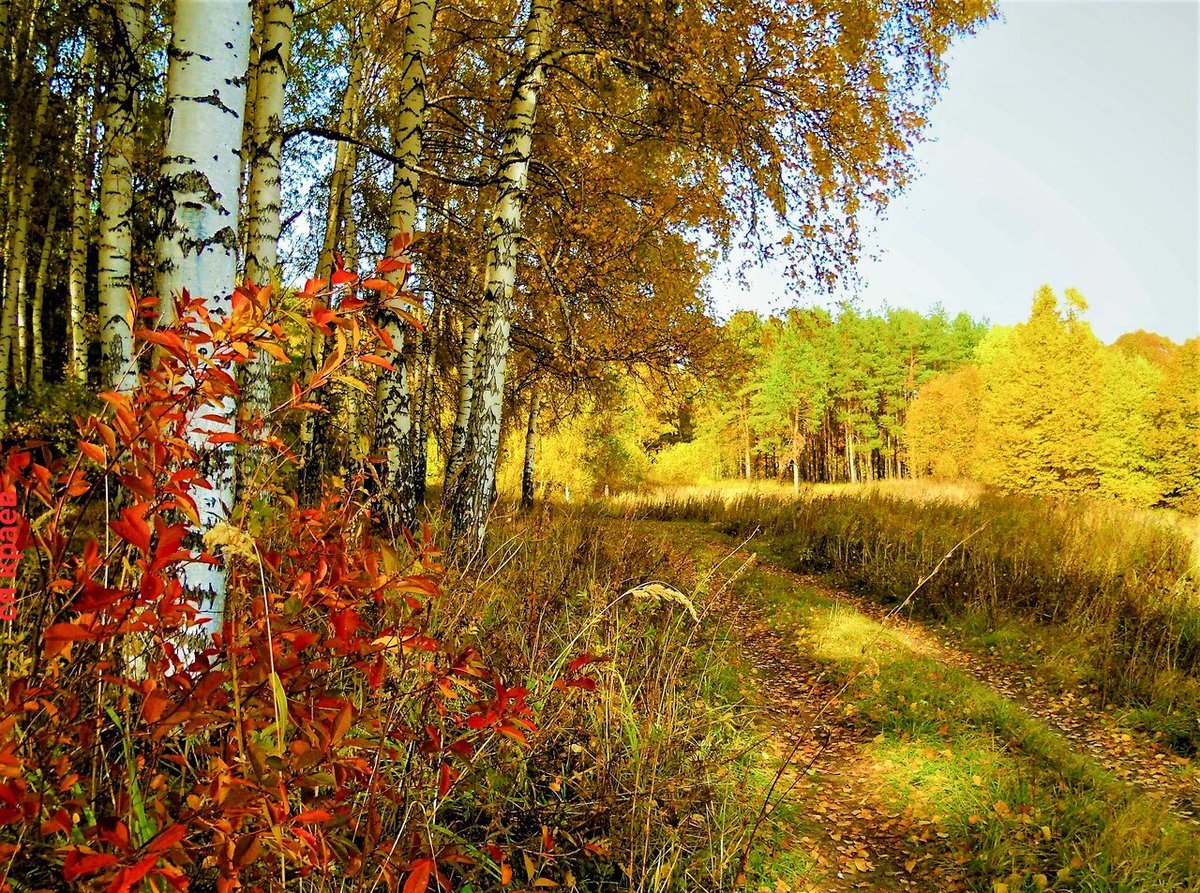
316, 735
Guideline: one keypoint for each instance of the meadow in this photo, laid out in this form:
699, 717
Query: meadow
1100, 593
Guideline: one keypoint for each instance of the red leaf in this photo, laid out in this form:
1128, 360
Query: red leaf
226, 437
316, 816
168, 838
341, 277
78, 864
132, 526
154, 706
66, 632
419, 874
582, 661
379, 285
378, 361
93, 452
446, 778
125, 881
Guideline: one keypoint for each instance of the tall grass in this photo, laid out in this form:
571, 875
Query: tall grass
636, 783
1124, 582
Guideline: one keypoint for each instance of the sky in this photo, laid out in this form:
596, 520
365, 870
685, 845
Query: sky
1064, 150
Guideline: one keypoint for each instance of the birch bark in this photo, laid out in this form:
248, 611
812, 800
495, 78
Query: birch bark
81, 219
466, 391
393, 421
263, 196
476, 480
527, 473
20, 200
314, 426
37, 368
116, 199
198, 250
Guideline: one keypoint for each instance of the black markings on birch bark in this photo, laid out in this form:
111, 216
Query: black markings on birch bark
394, 417
81, 216
21, 184
314, 426
197, 251
527, 472
116, 197
475, 483
263, 202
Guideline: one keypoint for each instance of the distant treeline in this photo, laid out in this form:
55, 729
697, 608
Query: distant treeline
818, 397
1040, 407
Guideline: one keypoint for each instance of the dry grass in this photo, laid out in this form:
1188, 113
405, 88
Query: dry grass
1116, 586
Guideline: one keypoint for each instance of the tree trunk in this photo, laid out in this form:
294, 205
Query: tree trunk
116, 200
797, 451
314, 426
393, 421
477, 480
205, 100
748, 441
81, 218
420, 447
466, 390
37, 370
527, 479
20, 200
263, 197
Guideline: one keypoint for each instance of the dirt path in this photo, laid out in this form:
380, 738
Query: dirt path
861, 841
1077, 715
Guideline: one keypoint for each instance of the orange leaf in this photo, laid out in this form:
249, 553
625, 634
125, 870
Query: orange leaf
132, 526
379, 285
378, 361
93, 452
419, 874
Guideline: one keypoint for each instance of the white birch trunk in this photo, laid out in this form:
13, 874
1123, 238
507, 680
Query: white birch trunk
466, 393
37, 369
477, 479
81, 218
314, 425
20, 199
527, 473
119, 371
263, 196
198, 251
393, 421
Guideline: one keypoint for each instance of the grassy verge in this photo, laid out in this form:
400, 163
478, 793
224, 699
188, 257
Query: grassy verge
1022, 808
650, 782
1095, 593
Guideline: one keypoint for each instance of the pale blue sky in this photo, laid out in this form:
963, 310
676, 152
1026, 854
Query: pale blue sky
1064, 150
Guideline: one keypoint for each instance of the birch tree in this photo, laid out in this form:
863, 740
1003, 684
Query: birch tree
116, 198
37, 367
263, 193
476, 481
198, 250
394, 423
314, 426
81, 216
21, 189
531, 430
466, 394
